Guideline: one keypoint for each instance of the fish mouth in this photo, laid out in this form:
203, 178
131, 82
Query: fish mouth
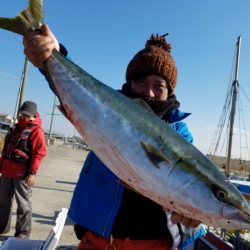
237, 219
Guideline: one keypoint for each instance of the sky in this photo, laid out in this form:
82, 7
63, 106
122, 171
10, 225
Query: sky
103, 36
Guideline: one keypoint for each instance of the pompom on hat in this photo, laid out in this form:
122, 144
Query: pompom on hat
156, 59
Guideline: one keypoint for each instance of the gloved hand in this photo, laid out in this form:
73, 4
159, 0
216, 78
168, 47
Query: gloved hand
79, 231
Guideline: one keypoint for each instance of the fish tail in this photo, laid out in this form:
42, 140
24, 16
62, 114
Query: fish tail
31, 18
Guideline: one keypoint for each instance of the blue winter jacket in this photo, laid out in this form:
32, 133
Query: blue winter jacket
98, 193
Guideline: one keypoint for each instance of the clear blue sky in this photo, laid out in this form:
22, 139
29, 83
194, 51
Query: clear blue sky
102, 36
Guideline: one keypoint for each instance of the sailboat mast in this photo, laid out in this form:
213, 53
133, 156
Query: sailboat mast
21, 91
235, 86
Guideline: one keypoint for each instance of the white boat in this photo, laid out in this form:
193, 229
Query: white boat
243, 186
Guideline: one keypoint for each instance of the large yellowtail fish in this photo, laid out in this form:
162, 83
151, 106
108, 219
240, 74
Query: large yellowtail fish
141, 149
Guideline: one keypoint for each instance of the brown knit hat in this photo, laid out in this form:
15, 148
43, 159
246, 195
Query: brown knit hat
154, 59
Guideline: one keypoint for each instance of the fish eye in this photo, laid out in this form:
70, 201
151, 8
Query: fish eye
220, 194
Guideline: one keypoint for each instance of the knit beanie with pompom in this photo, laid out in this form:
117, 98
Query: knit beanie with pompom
155, 59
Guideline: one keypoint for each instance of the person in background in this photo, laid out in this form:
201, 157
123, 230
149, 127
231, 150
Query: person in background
23, 150
107, 214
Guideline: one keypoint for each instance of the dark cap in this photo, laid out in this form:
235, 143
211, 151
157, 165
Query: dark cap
28, 108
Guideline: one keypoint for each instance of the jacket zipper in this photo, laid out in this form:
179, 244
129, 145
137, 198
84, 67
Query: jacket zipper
112, 209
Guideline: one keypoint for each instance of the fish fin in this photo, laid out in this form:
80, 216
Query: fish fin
154, 155
142, 103
36, 8
31, 18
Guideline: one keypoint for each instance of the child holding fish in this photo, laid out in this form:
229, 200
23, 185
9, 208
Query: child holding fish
145, 181
114, 215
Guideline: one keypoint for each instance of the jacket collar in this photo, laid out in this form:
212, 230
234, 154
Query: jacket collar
175, 115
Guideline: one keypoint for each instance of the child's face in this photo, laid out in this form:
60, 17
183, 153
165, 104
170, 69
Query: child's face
25, 117
152, 86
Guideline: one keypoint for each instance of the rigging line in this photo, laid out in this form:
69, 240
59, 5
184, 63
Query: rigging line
216, 138
219, 129
47, 113
225, 138
220, 133
225, 114
244, 93
239, 120
244, 129
228, 118
231, 75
